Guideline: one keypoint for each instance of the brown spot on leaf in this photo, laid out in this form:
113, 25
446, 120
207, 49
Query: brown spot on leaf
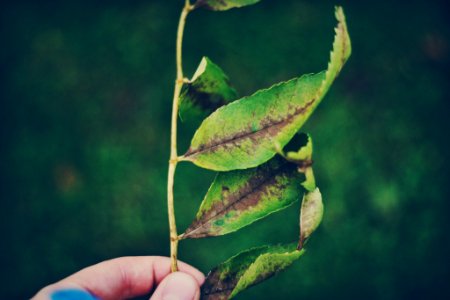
302, 165
217, 288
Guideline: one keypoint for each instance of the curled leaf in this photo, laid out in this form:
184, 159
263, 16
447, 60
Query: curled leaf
247, 269
302, 157
223, 4
311, 214
208, 90
268, 117
239, 198
301, 151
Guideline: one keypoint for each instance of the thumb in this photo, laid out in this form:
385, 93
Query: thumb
177, 286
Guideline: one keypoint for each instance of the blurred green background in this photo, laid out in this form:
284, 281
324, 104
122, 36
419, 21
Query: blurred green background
86, 90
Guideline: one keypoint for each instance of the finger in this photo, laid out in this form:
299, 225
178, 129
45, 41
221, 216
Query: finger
177, 286
121, 277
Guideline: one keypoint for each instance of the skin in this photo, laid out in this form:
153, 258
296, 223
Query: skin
128, 277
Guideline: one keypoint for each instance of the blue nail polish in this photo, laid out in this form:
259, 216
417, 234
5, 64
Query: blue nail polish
72, 295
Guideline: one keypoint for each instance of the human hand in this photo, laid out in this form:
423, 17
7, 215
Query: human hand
128, 277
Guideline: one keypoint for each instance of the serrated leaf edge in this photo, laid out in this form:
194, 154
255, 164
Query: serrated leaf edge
337, 59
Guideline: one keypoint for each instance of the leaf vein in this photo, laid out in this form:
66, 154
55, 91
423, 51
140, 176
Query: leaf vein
256, 188
245, 134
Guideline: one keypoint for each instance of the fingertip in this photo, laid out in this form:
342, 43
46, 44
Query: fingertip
178, 286
122, 277
198, 275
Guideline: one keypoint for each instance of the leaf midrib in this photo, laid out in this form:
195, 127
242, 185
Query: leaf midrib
258, 187
297, 112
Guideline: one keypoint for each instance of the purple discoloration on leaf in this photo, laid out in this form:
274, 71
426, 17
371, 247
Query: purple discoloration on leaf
255, 194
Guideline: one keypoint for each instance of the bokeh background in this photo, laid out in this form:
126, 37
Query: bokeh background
86, 92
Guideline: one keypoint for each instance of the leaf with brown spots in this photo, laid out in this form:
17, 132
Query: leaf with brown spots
242, 134
223, 4
247, 269
311, 214
208, 90
239, 198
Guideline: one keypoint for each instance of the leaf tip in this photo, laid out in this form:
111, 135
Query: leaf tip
339, 13
342, 26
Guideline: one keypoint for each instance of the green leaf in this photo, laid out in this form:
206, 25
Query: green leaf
208, 90
311, 214
247, 269
242, 134
223, 4
239, 198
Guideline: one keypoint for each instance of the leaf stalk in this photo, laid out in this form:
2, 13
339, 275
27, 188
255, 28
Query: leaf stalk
173, 161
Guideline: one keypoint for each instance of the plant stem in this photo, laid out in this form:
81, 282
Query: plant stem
173, 139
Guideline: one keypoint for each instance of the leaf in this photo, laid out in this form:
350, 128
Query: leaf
242, 134
208, 90
239, 198
302, 157
247, 269
223, 4
311, 214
